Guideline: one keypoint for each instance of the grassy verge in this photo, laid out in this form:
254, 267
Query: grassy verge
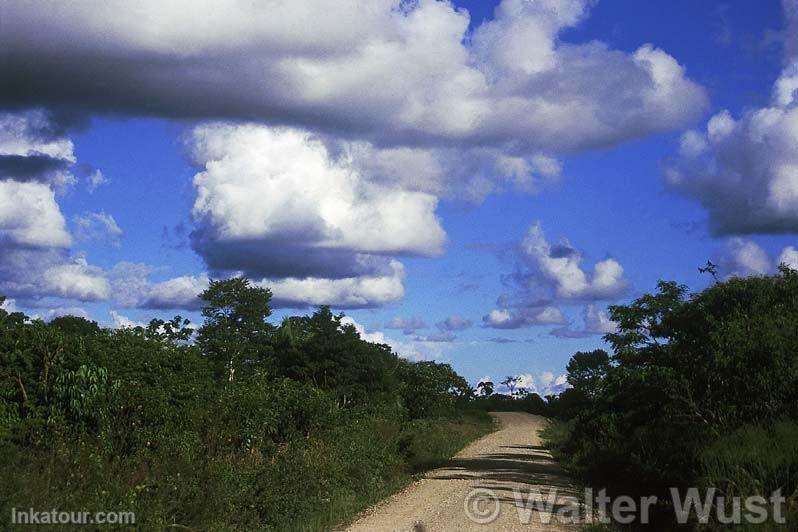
305, 484
556, 436
430, 443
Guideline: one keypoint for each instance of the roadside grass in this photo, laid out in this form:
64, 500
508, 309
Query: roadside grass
305, 484
555, 437
756, 461
751, 461
427, 443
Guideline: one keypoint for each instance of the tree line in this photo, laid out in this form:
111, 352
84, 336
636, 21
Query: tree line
241, 424
699, 390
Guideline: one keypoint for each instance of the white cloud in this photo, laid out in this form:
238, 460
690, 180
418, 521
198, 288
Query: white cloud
263, 183
118, 321
98, 226
596, 322
455, 322
29, 134
522, 317
387, 69
76, 280
406, 325
178, 292
277, 205
745, 257
30, 216
9, 305
544, 384
745, 171
133, 288
789, 257
95, 179
549, 275
561, 268
443, 336
414, 350
35, 245
353, 292
742, 257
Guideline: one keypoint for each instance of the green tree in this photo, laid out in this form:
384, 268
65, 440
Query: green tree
511, 382
587, 370
485, 388
235, 332
76, 325
430, 388
323, 351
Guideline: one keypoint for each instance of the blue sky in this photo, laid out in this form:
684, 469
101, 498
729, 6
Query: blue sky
630, 191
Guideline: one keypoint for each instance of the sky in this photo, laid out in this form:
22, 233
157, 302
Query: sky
470, 182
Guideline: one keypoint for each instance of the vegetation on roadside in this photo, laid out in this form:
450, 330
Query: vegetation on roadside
701, 391
242, 425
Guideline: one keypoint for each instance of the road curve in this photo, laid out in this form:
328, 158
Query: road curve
505, 466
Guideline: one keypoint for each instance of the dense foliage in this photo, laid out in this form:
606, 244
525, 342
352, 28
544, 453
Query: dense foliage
702, 390
245, 425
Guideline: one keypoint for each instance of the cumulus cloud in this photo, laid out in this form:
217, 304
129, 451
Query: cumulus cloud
404, 71
30, 216
77, 280
544, 384
548, 275
9, 305
133, 287
407, 325
595, 322
420, 349
455, 322
278, 206
277, 184
742, 257
118, 321
522, 317
36, 273
35, 259
364, 291
744, 170
95, 179
98, 226
789, 257
560, 268
443, 336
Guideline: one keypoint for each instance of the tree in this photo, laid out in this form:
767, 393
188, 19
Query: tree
586, 371
511, 382
235, 332
321, 350
430, 388
485, 388
75, 325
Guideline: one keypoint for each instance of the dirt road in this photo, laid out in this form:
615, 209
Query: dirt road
505, 467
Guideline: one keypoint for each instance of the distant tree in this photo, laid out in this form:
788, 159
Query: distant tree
175, 331
511, 382
711, 268
430, 388
235, 331
328, 353
75, 325
586, 371
485, 388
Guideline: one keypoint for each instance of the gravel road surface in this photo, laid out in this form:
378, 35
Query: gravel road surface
504, 468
